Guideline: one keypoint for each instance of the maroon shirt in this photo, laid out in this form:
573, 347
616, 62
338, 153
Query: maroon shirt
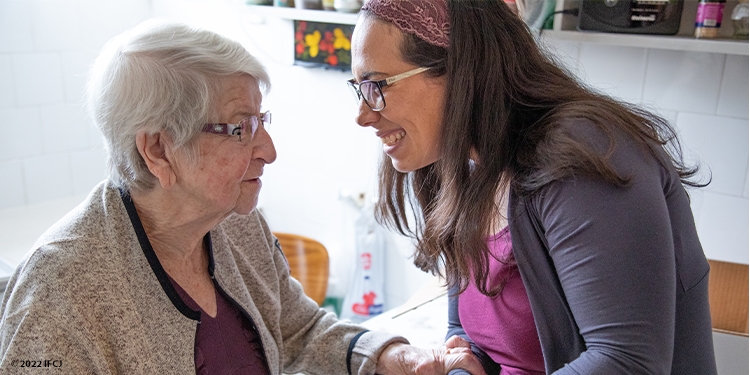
227, 344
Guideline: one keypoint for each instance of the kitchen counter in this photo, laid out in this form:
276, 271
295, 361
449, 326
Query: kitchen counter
21, 226
423, 319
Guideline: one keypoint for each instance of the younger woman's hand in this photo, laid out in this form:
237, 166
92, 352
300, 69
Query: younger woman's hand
457, 342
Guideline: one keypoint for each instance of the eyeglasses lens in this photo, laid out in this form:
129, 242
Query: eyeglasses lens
266, 118
371, 94
354, 90
252, 123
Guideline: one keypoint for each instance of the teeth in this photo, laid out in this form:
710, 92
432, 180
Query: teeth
391, 140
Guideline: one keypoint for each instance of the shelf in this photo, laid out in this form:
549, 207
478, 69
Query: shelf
325, 16
566, 30
257, 14
677, 43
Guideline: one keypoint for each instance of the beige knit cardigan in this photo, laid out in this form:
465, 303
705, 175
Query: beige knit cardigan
86, 300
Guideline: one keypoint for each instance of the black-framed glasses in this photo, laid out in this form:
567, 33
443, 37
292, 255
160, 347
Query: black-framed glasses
372, 91
240, 129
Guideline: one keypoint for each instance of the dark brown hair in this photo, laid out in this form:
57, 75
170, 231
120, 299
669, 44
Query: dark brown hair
506, 99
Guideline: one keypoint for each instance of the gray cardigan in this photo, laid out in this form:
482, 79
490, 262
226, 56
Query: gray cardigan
90, 297
616, 276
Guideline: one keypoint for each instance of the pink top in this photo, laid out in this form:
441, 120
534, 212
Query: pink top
503, 327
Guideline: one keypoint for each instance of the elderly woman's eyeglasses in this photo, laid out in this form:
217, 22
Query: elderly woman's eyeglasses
372, 91
249, 123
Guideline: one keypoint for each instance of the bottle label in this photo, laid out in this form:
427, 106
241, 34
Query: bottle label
709, 15
366, 261
368, 307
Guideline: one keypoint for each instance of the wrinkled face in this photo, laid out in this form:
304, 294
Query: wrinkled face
226, 177
409, 125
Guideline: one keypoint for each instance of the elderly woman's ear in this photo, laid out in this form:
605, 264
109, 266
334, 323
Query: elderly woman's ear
156, 151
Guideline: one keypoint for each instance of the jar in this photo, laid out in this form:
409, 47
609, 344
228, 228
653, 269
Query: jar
739, 19
284, 3
708, 18
309, 4
347, 6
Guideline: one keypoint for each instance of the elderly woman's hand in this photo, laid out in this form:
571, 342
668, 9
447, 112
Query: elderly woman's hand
402, 359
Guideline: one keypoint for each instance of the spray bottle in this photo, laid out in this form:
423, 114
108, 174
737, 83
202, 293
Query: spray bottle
365, 297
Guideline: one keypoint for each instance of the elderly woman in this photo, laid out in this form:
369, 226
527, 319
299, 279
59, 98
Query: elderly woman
166, 267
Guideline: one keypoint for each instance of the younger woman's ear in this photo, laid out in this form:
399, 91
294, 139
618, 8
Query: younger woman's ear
156, 151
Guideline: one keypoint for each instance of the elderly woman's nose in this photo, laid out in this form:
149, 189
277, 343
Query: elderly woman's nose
365, 115
264, 148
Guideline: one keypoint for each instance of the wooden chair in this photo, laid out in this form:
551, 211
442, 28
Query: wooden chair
728, 297
308, 262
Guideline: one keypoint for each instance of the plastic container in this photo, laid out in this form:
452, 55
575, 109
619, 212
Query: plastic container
535, 12
708, 18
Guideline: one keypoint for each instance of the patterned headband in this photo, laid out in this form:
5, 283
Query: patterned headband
427, 19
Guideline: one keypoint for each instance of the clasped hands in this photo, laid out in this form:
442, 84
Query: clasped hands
403, 359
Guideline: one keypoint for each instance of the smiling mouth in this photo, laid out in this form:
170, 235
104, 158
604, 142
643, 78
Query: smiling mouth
392, 139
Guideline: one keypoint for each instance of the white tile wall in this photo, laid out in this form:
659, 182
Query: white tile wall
88, 169
21, 130
12, 192
16, 31
38, 78
327, 155
101, 20
56, 25
7, 93
95, 136
683, 81
47, 178
46, 47
621, 76
403, 278
720, 144
567, 54
668, 115
64, 128
22, 225
75, 66
722, 227
697, 199
733, 98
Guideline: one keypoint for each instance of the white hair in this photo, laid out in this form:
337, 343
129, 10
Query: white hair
160, 76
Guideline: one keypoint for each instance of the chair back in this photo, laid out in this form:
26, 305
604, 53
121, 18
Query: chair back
308, 262
728, 297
